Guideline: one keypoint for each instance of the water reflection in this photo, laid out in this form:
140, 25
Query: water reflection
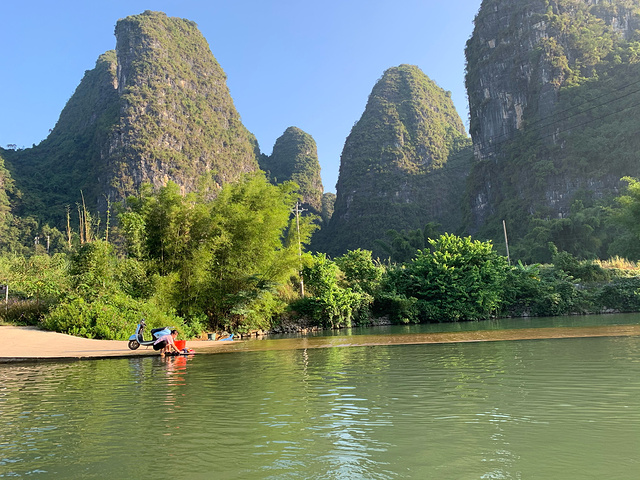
176, 368
567, 408
569, 321
486, 331
336, 424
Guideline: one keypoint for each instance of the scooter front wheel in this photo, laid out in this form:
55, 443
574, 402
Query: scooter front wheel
133, 344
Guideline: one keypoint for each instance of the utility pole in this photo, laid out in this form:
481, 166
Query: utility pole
504, 227
298, 210
5, 289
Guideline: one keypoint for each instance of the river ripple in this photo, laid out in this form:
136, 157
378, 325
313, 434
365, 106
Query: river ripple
565, 408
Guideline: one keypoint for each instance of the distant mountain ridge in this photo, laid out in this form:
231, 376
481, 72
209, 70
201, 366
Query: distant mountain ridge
395, 169
295, 158
155, 109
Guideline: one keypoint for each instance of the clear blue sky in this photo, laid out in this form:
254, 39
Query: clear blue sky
309, 64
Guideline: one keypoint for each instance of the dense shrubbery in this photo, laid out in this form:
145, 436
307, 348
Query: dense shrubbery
110, 317
185, 261
35, 283
23, 312
460, 279
541, 291
338, 297
234, 263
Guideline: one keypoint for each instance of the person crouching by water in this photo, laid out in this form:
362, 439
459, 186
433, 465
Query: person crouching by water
166, 344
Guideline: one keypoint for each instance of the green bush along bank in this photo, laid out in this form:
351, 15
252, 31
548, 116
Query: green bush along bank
237, 261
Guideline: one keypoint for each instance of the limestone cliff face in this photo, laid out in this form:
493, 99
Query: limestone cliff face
177, 118
501, 72
155, 109
533, 71
295, 157
522, 53
403, 165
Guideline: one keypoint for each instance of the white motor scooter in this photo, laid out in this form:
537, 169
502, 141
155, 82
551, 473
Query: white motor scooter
137, 338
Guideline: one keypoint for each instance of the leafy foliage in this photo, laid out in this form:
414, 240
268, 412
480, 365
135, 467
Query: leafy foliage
622, 295
329, 304
360, 272
461, 279
42, 278
535, 290
227, 257
35, 283
625, 213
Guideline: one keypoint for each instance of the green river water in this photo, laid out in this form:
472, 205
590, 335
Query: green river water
525, 409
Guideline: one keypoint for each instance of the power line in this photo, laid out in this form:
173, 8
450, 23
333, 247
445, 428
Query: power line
534, 7
589, 101
493, 147
492, 140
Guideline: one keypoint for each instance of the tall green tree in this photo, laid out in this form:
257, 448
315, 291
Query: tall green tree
249, 255
460, 279
329, 303
360, 271
166, 231
225, 258
626, 215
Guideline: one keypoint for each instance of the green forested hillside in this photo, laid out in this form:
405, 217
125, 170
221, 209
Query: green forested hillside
295, 158
403, 165
6, 187
553, 119
52, 175
157, 108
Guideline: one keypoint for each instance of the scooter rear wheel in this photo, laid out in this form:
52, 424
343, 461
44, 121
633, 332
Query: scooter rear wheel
133, 344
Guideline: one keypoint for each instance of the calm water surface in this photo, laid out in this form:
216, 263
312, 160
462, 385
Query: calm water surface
570, 321
545, 409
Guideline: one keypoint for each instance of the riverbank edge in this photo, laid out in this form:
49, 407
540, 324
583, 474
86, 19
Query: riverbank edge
29, 344
22, 344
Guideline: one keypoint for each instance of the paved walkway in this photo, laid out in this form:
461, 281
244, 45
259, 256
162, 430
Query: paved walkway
31, 343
